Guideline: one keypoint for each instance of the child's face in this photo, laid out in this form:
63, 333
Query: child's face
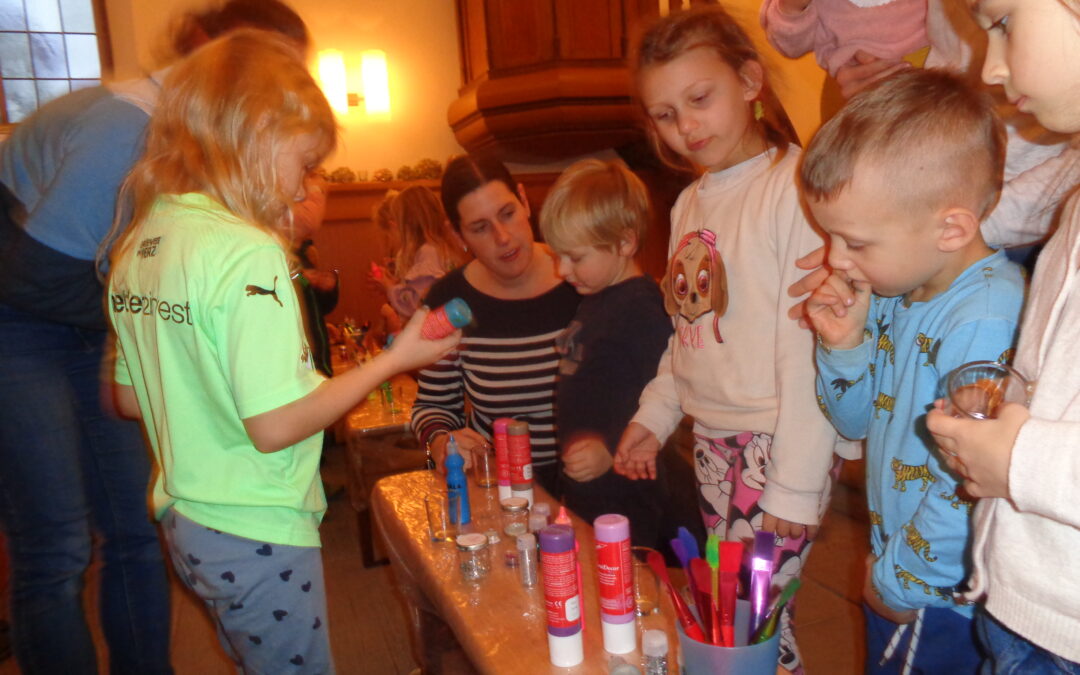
699, 106
1033, 51
591, 269
495, 226
872, 240
298, 156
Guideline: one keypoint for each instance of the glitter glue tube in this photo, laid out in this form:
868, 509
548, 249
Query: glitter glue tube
456, 486
614, 571
502, 455
562, 595
444, 320
519, 451
564, 519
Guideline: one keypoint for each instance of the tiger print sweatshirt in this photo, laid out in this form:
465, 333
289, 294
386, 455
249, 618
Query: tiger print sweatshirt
881, 391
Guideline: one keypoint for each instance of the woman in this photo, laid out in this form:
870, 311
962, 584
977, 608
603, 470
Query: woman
506, 363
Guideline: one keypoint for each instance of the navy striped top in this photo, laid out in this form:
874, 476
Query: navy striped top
505, 366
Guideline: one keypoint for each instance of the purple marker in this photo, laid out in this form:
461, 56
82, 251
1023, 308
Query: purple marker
562, 597
615, 572
761, 569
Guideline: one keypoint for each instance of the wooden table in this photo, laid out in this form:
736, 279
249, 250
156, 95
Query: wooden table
378, 443
500, 625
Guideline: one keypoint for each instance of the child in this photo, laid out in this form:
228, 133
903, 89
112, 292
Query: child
429, 249
1024, 463
941, 297
212, 354
837, 30
762, 450
594, 219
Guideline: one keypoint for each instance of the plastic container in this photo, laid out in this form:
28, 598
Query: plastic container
654, 651
615, 577
502, 454
520, 452
456, 485
444, 320
527, 559
699, 658
562, 596
474, 556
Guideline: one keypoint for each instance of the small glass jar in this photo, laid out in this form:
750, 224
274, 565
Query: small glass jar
515, 516
474, 556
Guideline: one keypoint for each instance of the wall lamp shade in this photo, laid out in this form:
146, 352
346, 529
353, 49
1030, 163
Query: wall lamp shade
376, 82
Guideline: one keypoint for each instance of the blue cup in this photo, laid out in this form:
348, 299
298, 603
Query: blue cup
699, 658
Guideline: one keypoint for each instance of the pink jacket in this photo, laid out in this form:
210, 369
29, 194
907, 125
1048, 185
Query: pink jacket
835, 29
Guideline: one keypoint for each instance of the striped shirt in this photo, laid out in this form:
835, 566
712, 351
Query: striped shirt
505, 365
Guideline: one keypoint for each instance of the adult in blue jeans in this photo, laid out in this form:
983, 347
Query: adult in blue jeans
71, 470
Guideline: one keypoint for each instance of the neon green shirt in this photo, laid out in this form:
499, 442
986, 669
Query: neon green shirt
210, 333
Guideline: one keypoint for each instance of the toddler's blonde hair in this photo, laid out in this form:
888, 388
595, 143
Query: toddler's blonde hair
595, 203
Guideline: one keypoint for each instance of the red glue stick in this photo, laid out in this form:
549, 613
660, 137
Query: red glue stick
615, 572
500, 429
519, 451
444, 320
562, 595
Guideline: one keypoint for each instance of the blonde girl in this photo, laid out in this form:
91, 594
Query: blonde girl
1024, 464
429, 248
762, 449
212, 354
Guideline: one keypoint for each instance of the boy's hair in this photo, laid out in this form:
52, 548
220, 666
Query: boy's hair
225, 113
936, 134
595, 203
421, 220
712, 28
467, 173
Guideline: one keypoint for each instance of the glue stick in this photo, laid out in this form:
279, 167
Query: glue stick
562, 595
519, 451
614, 571
502, 455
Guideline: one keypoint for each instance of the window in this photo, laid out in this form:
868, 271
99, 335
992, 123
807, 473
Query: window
47, 49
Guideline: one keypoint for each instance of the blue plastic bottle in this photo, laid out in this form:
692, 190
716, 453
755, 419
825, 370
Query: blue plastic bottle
457, 485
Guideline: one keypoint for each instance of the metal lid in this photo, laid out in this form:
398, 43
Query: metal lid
514, 504
473, 541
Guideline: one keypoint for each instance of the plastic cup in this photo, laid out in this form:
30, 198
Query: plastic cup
485, 468
978, 388
646, 584
699, 658
438, 516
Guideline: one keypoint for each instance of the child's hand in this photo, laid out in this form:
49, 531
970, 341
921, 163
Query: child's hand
410, 351
786, 528
979, 450
871, 597
863, 70
814, 261
586, 458
635, 457
837, 311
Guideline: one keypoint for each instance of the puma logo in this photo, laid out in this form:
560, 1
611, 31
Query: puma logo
252, 289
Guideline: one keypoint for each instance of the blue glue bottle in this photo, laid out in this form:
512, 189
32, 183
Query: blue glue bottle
457, 485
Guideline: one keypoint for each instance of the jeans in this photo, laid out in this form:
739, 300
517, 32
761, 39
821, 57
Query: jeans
1010, 653
70, 470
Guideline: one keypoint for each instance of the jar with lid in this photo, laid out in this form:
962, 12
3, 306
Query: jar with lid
474, 556
515, 516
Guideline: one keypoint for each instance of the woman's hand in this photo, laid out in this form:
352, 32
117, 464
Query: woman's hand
586, 459
636, 456
468, 442
786, 528
980, 451
871, 597
863, 70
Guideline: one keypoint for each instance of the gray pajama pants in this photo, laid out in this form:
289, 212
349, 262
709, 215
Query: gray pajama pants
267, 600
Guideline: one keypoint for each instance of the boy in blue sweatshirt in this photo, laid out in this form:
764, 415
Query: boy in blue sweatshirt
900, 180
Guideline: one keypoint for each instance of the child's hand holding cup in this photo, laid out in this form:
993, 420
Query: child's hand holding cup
977, 389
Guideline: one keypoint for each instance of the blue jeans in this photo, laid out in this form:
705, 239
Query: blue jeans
1009, 653
946, 645
70, 470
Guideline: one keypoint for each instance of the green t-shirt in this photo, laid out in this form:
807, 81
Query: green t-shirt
210, 332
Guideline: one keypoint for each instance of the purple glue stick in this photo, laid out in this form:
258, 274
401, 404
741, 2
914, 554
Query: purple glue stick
615, 572
562, 597
761, 569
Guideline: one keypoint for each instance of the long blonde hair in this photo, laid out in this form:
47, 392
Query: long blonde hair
225, 113
420, 220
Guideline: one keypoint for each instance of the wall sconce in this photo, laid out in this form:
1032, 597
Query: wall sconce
376, 82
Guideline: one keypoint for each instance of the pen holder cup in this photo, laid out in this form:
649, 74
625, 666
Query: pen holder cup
698, 658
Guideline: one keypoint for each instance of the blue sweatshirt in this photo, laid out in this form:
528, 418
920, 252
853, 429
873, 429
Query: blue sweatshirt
881, 391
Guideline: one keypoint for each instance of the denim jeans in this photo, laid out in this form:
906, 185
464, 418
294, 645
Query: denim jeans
1010, 653
69, 470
